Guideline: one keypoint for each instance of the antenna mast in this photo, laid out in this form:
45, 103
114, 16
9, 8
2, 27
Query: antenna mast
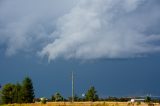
72, 87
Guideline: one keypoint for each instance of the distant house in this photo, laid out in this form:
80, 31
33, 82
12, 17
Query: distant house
137, 100
43, 98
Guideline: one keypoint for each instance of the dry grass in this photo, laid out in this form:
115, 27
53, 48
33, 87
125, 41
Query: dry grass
84, 104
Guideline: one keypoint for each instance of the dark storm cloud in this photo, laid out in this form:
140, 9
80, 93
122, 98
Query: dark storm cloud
86, 29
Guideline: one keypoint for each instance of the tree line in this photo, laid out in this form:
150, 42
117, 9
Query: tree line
24, 93
91, 95
18, 93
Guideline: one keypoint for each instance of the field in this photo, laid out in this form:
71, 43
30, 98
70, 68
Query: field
85, 104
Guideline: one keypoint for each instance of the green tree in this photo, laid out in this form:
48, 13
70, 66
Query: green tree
57, 97
76, 98
91, 94
7, 93
148, 99
17, 93
27, 93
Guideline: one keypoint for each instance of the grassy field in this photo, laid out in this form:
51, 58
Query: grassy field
84, 104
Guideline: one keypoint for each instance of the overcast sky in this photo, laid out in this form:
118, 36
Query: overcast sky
101, 38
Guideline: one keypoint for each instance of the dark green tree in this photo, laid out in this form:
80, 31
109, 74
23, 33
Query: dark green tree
27, 93
57, 97
7, 93
76, 98
17, 93
53, 98
148, 99
91, 94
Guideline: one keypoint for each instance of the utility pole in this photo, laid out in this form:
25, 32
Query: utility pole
72, 87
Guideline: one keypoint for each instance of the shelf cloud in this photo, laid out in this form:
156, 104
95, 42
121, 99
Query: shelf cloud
26, 25
107, 29
85, 29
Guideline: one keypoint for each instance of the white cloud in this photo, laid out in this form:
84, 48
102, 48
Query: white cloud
106, 29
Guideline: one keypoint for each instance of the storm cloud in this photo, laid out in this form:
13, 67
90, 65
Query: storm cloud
85, 29
26, 25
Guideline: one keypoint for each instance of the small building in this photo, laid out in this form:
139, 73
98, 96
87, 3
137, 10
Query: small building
137, 100
43, 98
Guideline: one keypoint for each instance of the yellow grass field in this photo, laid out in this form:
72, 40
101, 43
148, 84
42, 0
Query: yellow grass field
85, 104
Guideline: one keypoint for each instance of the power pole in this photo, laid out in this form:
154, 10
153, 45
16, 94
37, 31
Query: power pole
72, 87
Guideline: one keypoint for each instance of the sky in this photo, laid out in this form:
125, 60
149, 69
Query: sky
112, 45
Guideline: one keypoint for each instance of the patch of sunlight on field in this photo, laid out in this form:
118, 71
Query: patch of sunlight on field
84, 104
